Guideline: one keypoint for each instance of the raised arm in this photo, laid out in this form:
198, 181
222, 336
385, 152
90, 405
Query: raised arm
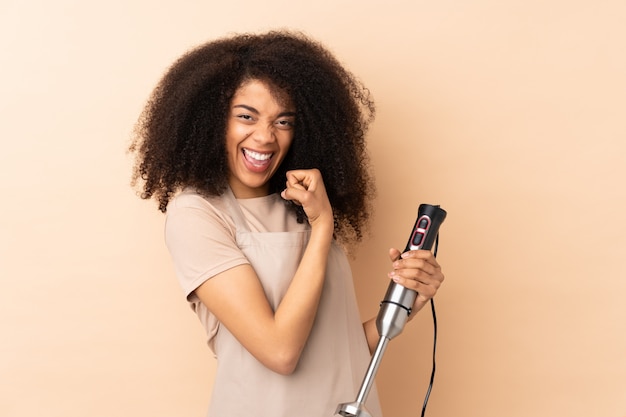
236, 297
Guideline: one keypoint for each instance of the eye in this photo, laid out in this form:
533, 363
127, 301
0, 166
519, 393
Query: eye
244, 117
285, 123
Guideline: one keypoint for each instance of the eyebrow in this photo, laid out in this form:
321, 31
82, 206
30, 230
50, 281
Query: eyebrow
255, 111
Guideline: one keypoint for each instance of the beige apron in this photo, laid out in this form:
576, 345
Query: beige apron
335, 358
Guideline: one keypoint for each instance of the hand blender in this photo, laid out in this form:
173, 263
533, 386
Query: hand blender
396, 306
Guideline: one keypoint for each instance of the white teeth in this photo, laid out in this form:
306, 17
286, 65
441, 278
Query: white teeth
257, 156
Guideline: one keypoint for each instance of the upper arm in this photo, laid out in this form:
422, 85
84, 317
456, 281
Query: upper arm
201, 242
236, 297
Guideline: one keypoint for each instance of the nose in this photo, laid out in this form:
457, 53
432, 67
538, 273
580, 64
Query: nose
264, 134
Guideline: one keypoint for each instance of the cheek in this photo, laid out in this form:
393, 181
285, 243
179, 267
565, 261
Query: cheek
285, 141
235, 133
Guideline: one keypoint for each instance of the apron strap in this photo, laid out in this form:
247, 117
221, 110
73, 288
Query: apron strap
234, 209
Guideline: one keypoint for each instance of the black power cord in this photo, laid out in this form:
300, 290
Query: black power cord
432, 373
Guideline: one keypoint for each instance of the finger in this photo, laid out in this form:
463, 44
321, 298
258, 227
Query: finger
294, 181
299, 195
413, 265
413, 279
290, 193
423, 254
417, 270
307, 178
297, 179
417, 254
425, 289
294, 177
394, 254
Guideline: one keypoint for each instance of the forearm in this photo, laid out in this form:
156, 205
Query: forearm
275, 337
295, 315
371, 333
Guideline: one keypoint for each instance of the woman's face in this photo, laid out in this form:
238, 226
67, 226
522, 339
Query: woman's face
259, 131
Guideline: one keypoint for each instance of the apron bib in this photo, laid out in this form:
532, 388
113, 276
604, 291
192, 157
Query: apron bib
335, 356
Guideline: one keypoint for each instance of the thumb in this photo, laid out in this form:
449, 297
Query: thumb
288, 194
394, 254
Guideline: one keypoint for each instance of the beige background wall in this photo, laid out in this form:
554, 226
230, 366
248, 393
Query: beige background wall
510, 114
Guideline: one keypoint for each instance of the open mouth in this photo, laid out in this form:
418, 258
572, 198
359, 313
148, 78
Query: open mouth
257, 159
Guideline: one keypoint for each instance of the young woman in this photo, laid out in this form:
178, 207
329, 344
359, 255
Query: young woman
254, 147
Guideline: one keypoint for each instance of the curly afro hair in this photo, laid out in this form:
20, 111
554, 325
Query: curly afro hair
180, 136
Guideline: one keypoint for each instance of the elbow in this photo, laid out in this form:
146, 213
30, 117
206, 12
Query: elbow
284, 363
285, 369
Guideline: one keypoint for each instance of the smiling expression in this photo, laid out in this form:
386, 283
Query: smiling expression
259, 132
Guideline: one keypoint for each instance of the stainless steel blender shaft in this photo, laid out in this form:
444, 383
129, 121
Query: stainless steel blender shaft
357, 408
